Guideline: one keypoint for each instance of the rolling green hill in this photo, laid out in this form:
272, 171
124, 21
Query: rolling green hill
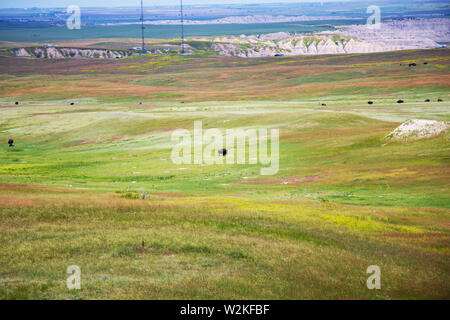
92, 184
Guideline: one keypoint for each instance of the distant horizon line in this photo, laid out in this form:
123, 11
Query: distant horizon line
199, 4
251, 3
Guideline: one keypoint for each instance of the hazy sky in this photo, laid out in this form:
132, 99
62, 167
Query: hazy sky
129, 3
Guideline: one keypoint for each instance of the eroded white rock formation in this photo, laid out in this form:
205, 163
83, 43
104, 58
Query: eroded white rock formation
62, 53
391, 36
417, 129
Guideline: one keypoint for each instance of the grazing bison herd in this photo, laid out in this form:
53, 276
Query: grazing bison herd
223, 152
413, 64
17, 103
398, 101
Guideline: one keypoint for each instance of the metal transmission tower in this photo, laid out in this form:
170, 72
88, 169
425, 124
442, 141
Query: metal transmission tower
142, 27
182, 28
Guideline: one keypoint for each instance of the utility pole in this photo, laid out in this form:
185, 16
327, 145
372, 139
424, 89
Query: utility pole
182, 29
142, 27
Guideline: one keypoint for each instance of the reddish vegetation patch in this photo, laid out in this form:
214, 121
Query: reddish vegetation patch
172, 129
53, 113
13, 65
162, 195
170, 195
92, 142
416, 235
6, 201
279, 180
23, 187
79, 144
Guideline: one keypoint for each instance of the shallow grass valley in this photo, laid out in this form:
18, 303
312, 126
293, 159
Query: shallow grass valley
92, 184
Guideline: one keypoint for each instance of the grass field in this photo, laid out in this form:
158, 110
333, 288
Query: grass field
93, 185
45, 34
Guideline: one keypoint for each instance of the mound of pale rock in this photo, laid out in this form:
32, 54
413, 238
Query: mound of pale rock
417, 129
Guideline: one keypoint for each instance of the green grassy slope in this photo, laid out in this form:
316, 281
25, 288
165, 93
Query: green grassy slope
71, 188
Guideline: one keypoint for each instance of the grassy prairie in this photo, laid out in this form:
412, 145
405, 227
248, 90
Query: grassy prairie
72, 188
45, 34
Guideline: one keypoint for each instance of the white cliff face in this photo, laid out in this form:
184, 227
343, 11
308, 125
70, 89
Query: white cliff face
64, 53
402, 32
294, 45
22, 53
52, 53
78, 53
313, 44
392, 36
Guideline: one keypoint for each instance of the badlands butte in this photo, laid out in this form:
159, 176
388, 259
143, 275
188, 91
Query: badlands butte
392, 35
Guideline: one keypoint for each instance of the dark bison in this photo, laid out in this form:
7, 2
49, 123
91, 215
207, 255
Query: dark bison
16, 103
370, 102
427, 100
324, 104
223, 152
412, 64
425, 63
440, 100
400, 101
11, 142
72, 103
